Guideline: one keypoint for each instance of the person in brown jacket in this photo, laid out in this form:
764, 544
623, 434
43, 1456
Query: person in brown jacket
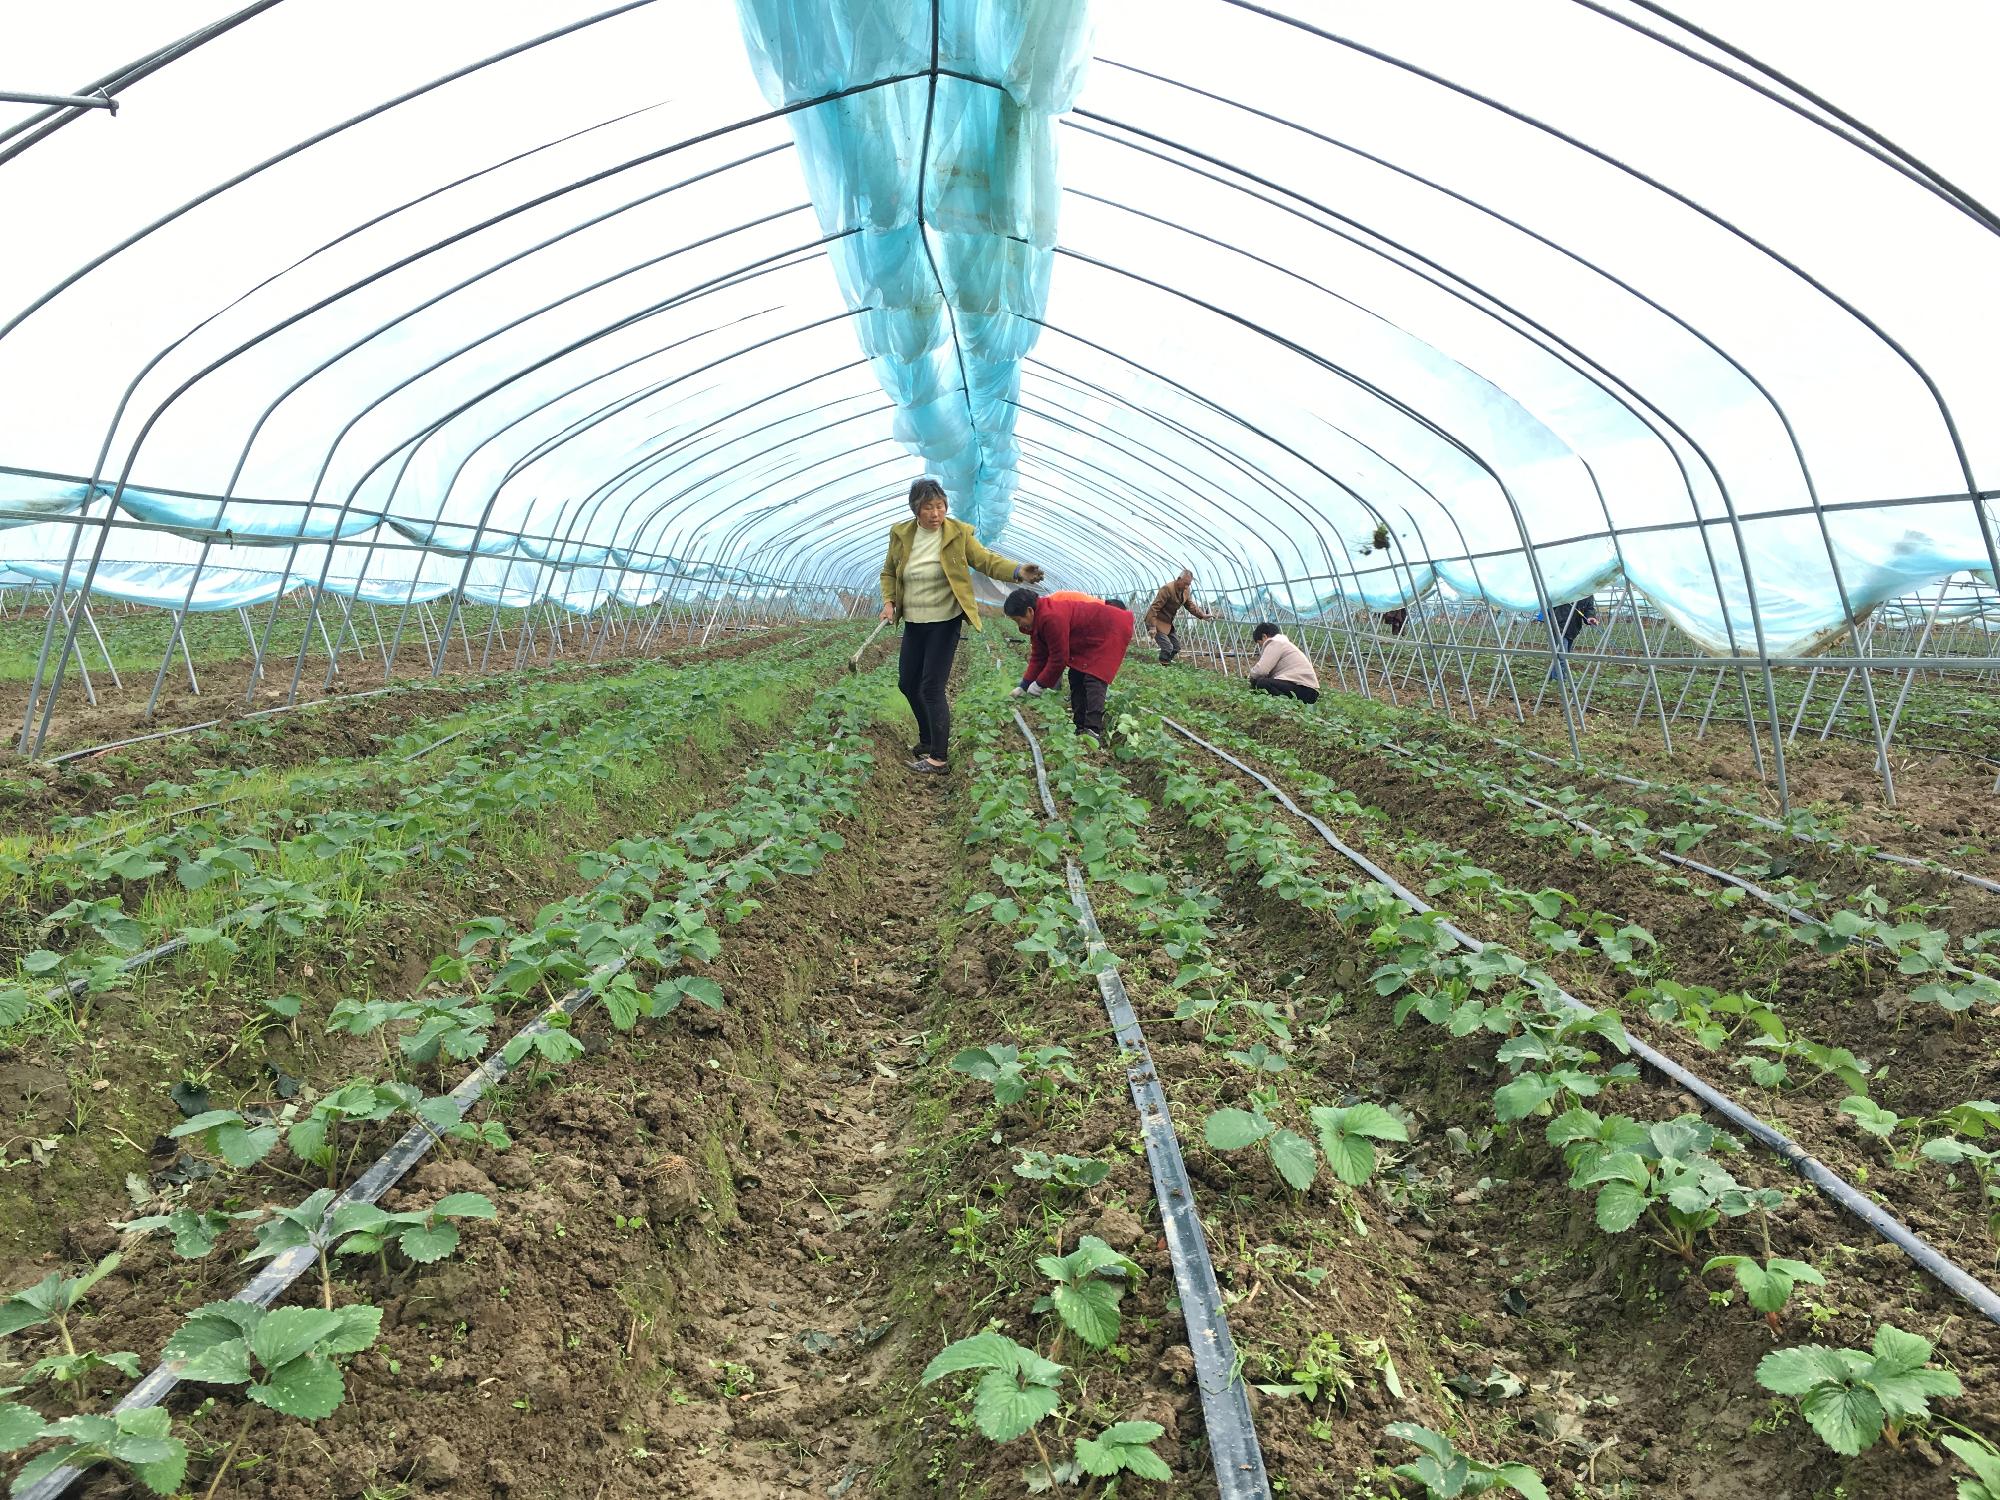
1165, 608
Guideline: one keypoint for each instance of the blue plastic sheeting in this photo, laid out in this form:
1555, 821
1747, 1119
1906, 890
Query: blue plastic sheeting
248, 522
946, 192
28, 498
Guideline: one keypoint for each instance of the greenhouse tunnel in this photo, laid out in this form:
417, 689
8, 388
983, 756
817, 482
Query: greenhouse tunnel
362, 349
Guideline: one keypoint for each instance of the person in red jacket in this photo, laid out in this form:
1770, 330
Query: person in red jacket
1086, 635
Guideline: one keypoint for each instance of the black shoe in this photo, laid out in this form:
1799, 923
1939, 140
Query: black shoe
923, 765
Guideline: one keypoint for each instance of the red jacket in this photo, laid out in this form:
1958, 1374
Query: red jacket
1086, 635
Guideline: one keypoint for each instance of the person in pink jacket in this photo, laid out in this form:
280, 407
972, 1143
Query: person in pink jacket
1282, 668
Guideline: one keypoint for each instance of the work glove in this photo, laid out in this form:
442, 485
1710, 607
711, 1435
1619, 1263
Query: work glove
1016, 693
1035, 690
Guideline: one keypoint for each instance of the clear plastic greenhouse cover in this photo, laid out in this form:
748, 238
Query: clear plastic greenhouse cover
1340, 306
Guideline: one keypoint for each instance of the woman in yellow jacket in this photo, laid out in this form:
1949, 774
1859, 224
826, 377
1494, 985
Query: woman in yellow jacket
927, 584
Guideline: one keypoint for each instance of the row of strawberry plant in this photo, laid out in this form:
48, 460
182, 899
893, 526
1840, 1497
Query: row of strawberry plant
651, 914
1668, 1176
1713, 1018
320, 877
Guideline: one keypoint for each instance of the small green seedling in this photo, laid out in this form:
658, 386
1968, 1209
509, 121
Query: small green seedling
1017, 1390
236, 1138
1089, 1284
1852, 1398
140, 1442
1124, 1448
293, 1348
1768, 1286
1445, 1473
1062, 1171
421, 1235
52, 1300
1015, 1074
1322, 1370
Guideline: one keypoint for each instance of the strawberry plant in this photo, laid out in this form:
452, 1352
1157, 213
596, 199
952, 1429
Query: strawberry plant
1347, 1135
1291, 1154
291, 1348
1767, 1285
195, 1231
1017, 1388
1061, 1170
1124, 1448
52, 1300
1089, 1282
1445, 1473
1852, 1398
1015, 1074
239, 1139
421, 1234
141, 1442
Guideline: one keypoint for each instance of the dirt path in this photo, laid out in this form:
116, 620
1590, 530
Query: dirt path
791, 1326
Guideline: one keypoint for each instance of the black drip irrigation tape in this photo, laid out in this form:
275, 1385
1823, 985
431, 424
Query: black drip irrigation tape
175, 814
1758, 818
1947, 1273
1666, 856
262, 713
1225, 1404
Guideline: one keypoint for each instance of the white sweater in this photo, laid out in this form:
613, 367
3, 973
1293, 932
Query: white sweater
1284, 662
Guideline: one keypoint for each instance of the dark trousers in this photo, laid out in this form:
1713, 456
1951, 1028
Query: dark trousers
1086, 702
1168, 642
1279, 689
923, 673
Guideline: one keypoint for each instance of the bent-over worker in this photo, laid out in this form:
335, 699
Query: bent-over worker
1085, 635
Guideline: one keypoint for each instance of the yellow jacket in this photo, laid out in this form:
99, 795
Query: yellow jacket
960, 552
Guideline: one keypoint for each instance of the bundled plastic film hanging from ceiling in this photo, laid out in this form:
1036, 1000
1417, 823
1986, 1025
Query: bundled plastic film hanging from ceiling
944, 192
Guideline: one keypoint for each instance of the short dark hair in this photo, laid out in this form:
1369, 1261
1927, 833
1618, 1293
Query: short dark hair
926, 489
1117, 603
1019, 603
1263, 631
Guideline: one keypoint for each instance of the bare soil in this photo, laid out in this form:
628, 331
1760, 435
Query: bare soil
1600, 1360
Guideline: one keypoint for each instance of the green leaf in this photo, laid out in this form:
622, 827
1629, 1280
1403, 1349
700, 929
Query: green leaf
1793, 1372
1619, 1205
1004, 1409
360, 1326
13, 1006
19, 1426
1233, 1129
465, 1206
245, 1148
308, 1387
1979, 1458
1522, 1479
1897, 1352
165, 1476
285, 1333
1090, 1310
1293, 1156
1848, 1418
1521, 1098
982, 1351
426, 1244
1352, 1158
